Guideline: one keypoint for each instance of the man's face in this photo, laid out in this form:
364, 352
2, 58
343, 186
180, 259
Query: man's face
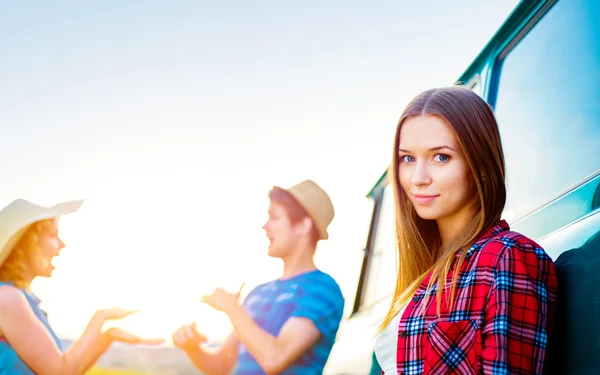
280, 231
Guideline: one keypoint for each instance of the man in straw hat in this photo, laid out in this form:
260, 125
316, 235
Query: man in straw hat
288, 325
28, 242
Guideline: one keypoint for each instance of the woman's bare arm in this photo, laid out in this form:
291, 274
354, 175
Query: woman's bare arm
35, 345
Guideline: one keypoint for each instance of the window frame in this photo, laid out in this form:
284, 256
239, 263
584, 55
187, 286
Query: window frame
509, 44
368, 252
498, 59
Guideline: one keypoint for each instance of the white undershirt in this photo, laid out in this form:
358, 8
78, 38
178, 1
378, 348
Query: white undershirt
386, 345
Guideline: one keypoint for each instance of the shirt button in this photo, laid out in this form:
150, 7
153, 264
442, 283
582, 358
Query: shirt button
416, 299
403, 334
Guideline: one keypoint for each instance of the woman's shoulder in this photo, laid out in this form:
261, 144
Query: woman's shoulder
511, 241
506, 245
12, 298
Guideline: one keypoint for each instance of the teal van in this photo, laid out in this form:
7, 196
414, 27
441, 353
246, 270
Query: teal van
541, 74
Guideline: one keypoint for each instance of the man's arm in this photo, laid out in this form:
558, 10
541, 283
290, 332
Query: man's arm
274, 353
212, 363
318, 313
219, 363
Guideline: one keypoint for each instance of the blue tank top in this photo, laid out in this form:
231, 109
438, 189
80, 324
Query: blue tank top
10, 362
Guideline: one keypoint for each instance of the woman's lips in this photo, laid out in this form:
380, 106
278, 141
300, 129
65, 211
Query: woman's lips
424, 199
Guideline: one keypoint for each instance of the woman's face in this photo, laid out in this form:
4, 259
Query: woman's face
50, 245
433, 171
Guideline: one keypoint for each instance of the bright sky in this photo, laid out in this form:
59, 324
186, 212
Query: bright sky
174, 119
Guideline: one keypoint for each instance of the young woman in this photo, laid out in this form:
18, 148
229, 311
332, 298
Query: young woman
472, 296
28, 242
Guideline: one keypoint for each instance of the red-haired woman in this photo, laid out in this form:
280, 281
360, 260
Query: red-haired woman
28, 242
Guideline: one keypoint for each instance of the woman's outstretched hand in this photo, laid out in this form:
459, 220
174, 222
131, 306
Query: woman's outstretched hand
114, 313
118, 334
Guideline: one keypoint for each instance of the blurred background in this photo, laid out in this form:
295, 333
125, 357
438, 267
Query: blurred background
174, 119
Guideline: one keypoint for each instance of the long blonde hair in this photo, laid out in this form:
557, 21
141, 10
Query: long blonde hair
418, 241
15, 268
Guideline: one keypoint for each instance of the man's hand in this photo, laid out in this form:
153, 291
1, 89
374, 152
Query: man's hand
223, 300
188, 337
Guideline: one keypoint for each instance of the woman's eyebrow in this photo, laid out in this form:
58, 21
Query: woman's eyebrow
436, 148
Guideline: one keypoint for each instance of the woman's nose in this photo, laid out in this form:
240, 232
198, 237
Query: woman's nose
61, 244
421, 175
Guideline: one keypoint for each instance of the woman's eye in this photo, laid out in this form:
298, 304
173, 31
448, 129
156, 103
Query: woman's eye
407, 159
441, 158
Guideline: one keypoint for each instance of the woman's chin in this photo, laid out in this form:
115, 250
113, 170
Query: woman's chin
46, 272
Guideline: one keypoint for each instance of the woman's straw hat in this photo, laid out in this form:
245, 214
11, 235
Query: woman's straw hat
16, 218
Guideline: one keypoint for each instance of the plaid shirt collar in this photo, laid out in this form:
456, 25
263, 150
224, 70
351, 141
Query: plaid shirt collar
494, 230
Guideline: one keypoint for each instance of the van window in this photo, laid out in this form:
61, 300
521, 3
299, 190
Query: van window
548, 106
382, 273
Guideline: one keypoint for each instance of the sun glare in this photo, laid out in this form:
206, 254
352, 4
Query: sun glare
138, 264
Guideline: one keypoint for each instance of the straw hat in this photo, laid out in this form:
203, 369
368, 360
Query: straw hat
16, 218
317, 204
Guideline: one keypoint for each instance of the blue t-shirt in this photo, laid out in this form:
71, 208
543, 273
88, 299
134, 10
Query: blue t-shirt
10, 362
314, 295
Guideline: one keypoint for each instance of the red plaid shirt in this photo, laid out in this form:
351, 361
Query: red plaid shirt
499, 324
